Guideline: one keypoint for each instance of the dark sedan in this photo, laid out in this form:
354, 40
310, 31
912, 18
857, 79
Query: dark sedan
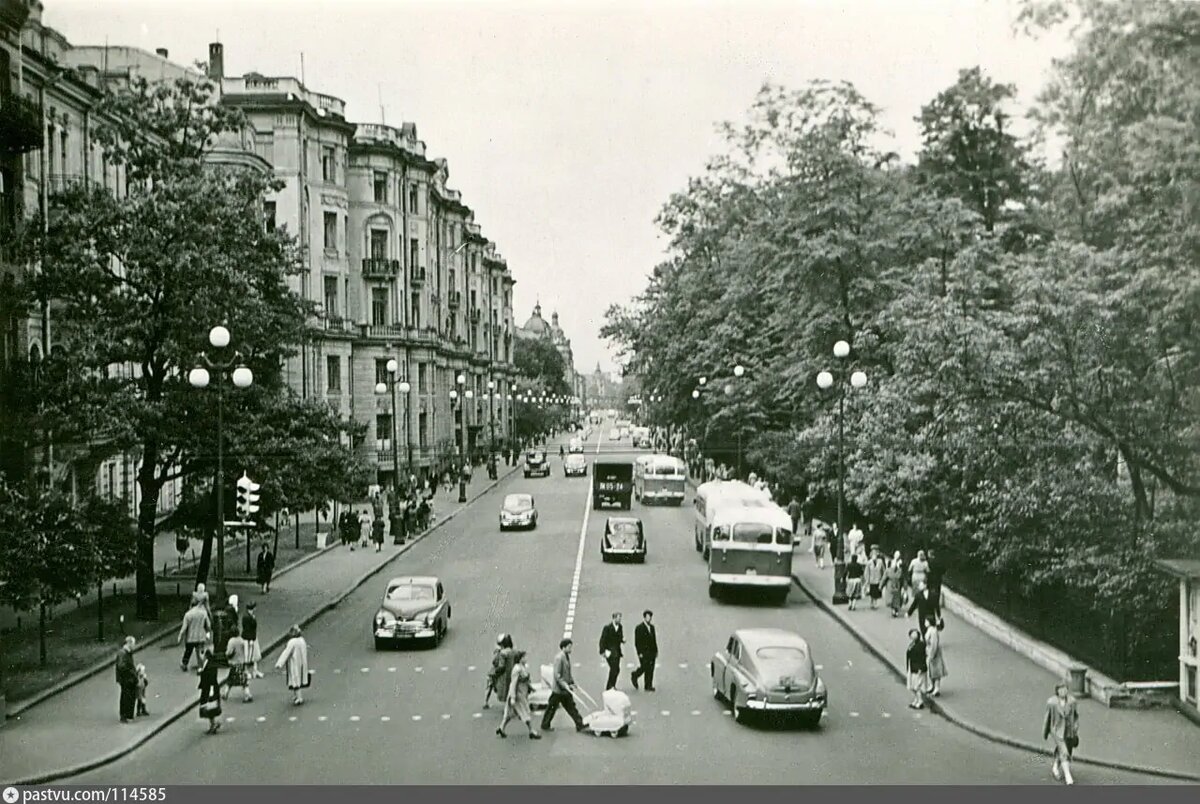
413, 608
624, 537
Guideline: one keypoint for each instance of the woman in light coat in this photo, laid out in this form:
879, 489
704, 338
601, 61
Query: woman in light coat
516, 705
295, 659
237, 651
893, 585
1062, 726
933, 657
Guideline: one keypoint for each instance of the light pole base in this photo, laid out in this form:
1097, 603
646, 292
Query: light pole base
462, 491
839, 583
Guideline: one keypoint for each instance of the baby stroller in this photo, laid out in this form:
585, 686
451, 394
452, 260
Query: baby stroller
613, 719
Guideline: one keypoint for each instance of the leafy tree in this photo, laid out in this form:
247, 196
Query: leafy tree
137, 281
540, 362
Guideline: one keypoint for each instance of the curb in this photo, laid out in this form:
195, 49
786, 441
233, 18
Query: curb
15, 708
940, 708
175, 715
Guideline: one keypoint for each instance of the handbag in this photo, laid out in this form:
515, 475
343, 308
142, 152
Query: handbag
210, 708
307, 681
1072, 742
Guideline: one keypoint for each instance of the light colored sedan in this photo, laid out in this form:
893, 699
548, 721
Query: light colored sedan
769, 670
575, 466
614, 434
518, 511
413, 608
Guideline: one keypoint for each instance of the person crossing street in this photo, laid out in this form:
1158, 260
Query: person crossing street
645, 642
612, 637
563, 691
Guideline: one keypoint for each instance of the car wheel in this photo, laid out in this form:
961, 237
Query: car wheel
712, 590
739, 713
380, 644
642, 558
441, 634
604, 556
811, 720
717, 694
705, 553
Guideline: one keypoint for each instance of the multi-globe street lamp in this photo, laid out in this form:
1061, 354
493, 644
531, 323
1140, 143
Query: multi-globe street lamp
403, 386
491, 419
456, 399
825, 380
242, 377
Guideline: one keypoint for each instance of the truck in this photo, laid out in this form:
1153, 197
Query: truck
612, 483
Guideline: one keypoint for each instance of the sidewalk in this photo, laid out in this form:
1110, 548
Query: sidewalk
999, 694
78, 729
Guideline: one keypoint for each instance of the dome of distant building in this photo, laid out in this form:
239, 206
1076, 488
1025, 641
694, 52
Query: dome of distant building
536, 325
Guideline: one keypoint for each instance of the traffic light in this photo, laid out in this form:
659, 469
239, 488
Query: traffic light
247, 497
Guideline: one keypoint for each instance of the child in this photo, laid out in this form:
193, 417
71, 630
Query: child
143, 681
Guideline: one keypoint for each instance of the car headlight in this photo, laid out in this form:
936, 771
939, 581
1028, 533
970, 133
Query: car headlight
428, 620
384, 618
820, 686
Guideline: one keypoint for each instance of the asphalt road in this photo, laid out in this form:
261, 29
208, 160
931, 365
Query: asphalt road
414, 715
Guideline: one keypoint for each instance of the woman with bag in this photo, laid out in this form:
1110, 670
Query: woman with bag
238, 654
917, 667
500, 676
1062, 726
516, 704
210, 692
295, 659
933, 657
893, 585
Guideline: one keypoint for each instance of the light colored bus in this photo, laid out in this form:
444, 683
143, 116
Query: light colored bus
714, 495
659, 478
751, 548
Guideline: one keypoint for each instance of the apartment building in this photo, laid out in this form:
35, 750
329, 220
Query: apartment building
399, 270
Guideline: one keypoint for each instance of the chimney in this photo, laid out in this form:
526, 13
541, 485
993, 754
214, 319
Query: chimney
162, 51
216, 61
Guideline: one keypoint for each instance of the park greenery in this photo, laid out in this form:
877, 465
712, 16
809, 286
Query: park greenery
137, 278
541, 371
1025, 308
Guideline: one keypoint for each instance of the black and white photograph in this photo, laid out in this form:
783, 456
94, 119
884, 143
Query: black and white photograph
508, 393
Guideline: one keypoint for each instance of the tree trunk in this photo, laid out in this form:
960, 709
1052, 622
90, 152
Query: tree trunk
150, 486
206, 551
42, 633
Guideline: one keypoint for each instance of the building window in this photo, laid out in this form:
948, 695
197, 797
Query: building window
381, 185
423, 430
269, 215
378, 307
414, 196
416, 310
414, 253
422, 379
381, 372
383, 431
264, 145
328, 164
379, 244
331, 297
333, 373
331, 230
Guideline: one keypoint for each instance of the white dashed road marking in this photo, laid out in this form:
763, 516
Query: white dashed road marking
887, 714
261, 719
444, 669
569, 625
665, 713
418, 669
471, 668
230, 719
416, 717
322, 718
477, 715
854, 714
695, 711
385, 719
820, 667
293, 719
445, 717
683, 665
337, 670
391, 669
355, 718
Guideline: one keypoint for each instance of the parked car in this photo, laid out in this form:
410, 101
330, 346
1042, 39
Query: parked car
536, 464
624, 537
518, 511
769, 670
575, 466
576, 445
413, 608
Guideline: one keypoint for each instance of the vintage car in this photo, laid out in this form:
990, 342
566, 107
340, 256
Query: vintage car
536, 464
624, 537
769, 670
575, 466
576, 445
614, 434
413, 608
518, 511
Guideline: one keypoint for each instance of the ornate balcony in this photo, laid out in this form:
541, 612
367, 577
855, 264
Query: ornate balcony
380, 268
416, 277
20, 125
386, 331
455, 300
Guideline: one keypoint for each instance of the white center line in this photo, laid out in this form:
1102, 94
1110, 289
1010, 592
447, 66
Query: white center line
471, 668
854, 714
261, 719
477, 714
665, 713
391, 669
695, 711
366, 669
445, 717
418, 669
322, 718
293, 719
444, 669
416, 717
683, 665
569, 625
355, 718
337, 670
887, 714
385, 719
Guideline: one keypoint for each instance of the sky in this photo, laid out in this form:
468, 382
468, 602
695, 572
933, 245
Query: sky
567, 125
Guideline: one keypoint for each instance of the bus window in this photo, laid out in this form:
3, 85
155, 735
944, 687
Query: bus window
718, 534
753, 533
783, 536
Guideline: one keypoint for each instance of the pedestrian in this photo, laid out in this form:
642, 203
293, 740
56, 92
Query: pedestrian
500, 675
820, 537
854, 580
854, 539
210, 692
127, 680
933, 577
295, 659
1062, 726
250, 634
917, 667
195, 631
237, 657
645, 642
377, 533
264, 568
893, 585
143, 682
918, 571
364, 527
612, 637
925, 607
516, 702
794, 511
874, 576
563, 690
935, 659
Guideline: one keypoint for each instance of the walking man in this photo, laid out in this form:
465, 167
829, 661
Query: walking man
933, 578
874, 575
194, 632
925, 607
264, 568
562, 693
127, 679
645, 642
612, 637
793, 509
1062, 726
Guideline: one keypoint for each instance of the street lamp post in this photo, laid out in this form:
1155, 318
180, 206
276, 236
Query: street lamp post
825, 380
492, 418
199, 377
393, 368
457, 397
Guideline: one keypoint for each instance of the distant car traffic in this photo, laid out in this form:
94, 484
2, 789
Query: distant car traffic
536, 464
769, 670
576, 445
624, 537
413, 608
614, 434
575, 466
518, 511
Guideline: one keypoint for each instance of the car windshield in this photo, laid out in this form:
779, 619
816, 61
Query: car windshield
576, 460
409, 591
535, 456
624, 534
517, 502
784, 666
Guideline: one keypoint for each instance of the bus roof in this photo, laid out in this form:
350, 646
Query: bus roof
771, 515
730, 490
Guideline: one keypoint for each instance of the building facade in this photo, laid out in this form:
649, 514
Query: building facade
537, 327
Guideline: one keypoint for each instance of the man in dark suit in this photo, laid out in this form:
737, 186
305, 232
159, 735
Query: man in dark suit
127, 679
926, 607
645, 642
933, 579
611, 640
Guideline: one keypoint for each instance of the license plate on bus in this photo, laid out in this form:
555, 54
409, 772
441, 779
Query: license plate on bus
752, 571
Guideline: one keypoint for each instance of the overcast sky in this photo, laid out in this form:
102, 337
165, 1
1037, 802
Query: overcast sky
567, 124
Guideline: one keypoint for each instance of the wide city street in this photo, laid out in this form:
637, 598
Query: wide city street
415, 715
